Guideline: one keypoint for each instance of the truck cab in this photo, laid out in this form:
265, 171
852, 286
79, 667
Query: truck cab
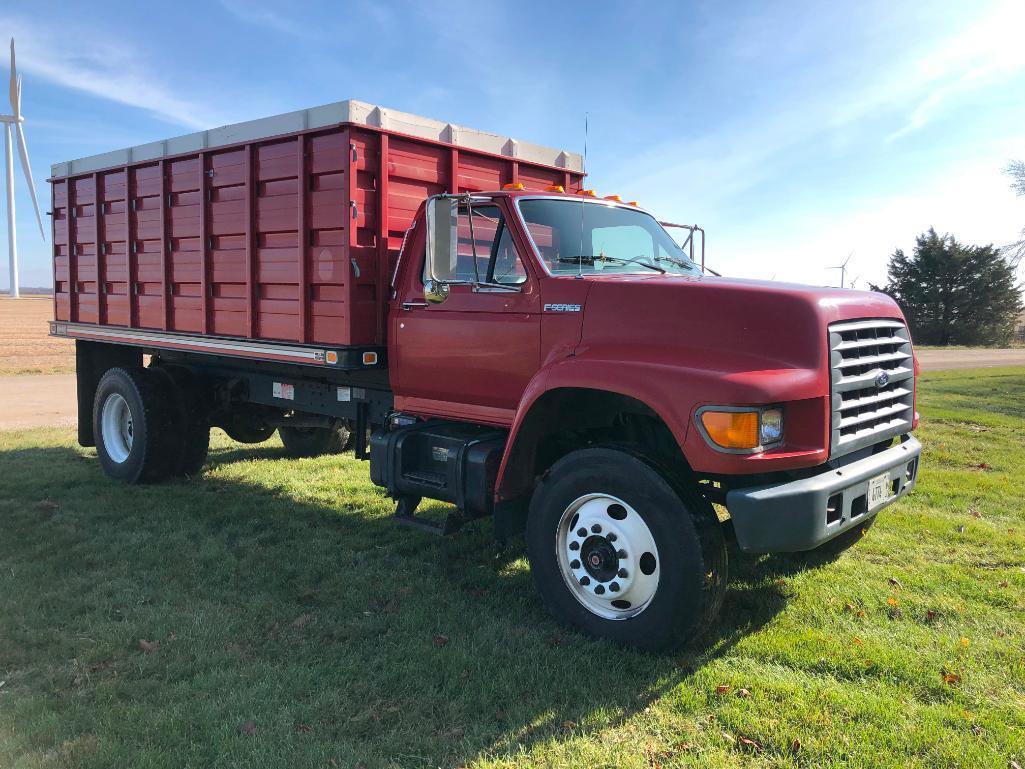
630, 390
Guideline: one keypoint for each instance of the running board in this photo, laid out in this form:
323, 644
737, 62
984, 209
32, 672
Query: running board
405, 515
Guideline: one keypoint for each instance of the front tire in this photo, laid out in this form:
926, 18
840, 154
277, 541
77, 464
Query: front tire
136, 435
618, 553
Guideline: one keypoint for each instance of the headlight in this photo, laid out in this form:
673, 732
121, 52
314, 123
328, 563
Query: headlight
743, 430
771, 428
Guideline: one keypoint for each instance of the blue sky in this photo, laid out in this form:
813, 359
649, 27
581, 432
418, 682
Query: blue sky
795, 133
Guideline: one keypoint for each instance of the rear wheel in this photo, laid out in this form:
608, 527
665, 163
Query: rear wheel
136, 434
618, 553
314, 441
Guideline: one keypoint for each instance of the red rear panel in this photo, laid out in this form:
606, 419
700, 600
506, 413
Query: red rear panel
290, 238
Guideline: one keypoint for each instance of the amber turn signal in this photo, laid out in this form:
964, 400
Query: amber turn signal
732, 429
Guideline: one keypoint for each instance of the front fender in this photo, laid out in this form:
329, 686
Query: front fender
675, 392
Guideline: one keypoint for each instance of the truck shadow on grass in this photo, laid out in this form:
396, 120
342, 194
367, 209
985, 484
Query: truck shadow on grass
239, 617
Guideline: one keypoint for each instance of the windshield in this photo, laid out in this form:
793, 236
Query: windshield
581, 237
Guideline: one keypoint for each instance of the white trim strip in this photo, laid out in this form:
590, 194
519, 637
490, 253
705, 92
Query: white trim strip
176, 340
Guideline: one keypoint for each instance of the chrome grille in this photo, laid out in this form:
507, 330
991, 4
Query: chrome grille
872, 373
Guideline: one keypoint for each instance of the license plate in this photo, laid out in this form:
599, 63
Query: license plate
878, 490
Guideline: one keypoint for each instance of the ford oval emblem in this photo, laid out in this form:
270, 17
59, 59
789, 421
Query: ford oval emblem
882, 379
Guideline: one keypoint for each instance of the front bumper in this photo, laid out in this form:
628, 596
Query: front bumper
803, 514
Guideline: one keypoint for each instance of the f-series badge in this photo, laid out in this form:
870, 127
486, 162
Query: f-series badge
562, 308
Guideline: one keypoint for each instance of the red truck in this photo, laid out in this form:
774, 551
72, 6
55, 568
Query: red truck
461, 311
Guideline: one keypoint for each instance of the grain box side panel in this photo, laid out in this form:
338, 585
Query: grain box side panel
328, 230
83, 245
364, 219
61, 257
112, 229
227, 261
146, 220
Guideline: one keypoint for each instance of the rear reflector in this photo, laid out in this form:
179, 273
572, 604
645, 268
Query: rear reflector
369, 358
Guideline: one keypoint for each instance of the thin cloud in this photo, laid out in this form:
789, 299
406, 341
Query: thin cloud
264, 17
981, 56
115, 73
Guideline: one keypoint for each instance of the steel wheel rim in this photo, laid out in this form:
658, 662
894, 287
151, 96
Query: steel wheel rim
118, 428
607, 556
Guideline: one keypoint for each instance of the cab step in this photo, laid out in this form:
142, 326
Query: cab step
405, 515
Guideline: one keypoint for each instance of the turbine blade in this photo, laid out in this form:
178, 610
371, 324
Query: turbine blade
27, 170
14, 84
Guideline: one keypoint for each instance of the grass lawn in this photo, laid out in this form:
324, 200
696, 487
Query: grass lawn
269, 614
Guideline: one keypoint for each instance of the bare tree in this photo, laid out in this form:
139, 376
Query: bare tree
1016, 170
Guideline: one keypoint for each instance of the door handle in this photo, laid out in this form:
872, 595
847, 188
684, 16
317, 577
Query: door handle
411, 305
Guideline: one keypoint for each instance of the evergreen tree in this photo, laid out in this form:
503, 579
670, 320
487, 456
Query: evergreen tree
955, 294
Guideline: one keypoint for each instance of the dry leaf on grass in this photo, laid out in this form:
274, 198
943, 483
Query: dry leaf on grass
748, 744
148, 646
723, 689
743, 693
440, 640
951, 678
248, 729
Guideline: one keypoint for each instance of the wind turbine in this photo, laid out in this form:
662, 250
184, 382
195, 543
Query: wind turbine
842, 268
12, 126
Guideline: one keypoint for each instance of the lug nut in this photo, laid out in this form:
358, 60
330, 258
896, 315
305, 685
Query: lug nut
614, 587
600, 590
611, 536
581, 532
574, 564
621, 553
574, 545
585, 581
596, 528
622, 573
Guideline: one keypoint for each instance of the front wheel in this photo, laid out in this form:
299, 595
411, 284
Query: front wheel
620, 554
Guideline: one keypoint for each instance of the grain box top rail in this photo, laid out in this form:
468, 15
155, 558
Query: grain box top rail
350, 111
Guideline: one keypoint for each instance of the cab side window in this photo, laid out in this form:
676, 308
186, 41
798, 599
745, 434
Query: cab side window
486, 239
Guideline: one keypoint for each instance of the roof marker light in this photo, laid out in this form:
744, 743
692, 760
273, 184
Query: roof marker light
555, 188
588, 193
614, 197
513, 186
632, 203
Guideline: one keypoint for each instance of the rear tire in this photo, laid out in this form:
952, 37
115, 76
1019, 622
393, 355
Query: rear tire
192, 418
314, 441
618, 553
137, 437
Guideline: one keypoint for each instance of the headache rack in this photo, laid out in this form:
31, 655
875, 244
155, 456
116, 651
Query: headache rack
872, 373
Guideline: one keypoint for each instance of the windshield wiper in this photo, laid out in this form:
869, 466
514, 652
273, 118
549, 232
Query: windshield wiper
591, 258
677, 262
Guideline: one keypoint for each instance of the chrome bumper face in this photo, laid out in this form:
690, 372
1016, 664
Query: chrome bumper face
803, 514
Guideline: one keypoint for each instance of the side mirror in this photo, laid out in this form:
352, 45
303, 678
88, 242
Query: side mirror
442, 238
435, 291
